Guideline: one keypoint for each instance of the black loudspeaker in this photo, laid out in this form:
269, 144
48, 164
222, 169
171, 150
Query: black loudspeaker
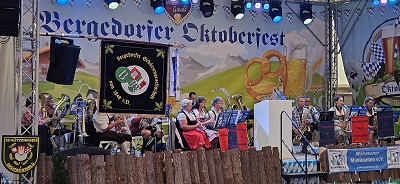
63, 61
9, 17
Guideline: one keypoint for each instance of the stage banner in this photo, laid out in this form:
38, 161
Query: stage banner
326, 133
385, 124
133, 77
359, 129
363, 159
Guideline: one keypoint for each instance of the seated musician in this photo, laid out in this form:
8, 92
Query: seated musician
195, 137
314, 113
145, 126
198, 110
47, 114
339, 118
301, 117
371, 112
105, 124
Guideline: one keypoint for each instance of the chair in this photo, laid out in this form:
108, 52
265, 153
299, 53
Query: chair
178, 141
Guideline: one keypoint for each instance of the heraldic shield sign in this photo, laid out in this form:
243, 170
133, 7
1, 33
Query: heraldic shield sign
20, 153
133, 77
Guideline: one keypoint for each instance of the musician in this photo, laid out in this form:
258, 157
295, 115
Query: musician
192, 96
190, 127
339, 118
143, 125
371, 112
104, 126
301, 115
314, 113
47, 114
216, 108
198, 110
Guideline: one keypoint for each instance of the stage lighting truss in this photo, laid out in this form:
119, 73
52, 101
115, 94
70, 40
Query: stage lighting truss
237, 9
257, 5
306, 12
158, 6
112, 4
207, 7
275, 10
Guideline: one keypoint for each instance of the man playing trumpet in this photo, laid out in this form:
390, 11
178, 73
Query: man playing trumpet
301, 117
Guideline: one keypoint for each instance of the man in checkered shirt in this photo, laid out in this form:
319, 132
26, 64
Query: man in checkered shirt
299, 115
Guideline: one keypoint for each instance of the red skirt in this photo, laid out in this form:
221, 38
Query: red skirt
196, 139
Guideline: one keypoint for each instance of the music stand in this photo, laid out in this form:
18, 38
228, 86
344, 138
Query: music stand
362, 112
326, 116
244, 115
353, 110
222, 120
384, 108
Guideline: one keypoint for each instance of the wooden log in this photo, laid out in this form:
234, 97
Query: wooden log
261, 167
203, 166
244, 160
178, 168
120, 168
148, 162
83, 162
194, 167
49, 170
72, 169
131, 164
218, 166
41, 168
98, 169
277, 165
254, 166
141, 170
227, 167
267, 152
236, 166
110, 169
186, 170
169, 168
159, 167
212, 173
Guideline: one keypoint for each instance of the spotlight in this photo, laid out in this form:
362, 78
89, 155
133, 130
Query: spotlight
113, 4
62, 2
158, 6
275, 11
375, 2
195, 1
392, 2
185, 2
248, 4
306, 12
207, 7
257, 5
383, 1
265, 5
237, 9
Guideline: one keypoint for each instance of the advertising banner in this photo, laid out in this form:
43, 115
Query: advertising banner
363, 159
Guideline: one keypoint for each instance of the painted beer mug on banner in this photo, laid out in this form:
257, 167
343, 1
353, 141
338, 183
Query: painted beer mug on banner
291, 74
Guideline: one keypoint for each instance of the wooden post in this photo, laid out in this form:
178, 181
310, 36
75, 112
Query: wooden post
41, 168
131, 168
159, 168
277, 165
186, 170
141, 170
261, 167
83, 162
236, 166
49, 169
169, 168
110, 169
203, 166
98, 169
148, 162
227, 167
194, 163
212, 172
244, 160
120, 168
218, 166
269, 171
178, 168
254, 165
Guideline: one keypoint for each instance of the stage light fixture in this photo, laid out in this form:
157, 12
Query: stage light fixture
113, 4
185, 2
383, 1
195, 1
207, 7
248, 4
62, 2
306, 12
265, 5
375, 2
392, 2
275, 11
237, 9
158, 6
257, 5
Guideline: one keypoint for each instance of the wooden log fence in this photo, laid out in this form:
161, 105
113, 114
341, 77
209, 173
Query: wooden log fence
200, 166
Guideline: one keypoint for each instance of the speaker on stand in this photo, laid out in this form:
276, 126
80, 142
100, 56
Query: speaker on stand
9, 17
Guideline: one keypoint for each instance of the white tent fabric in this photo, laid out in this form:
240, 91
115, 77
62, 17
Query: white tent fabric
7, 95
